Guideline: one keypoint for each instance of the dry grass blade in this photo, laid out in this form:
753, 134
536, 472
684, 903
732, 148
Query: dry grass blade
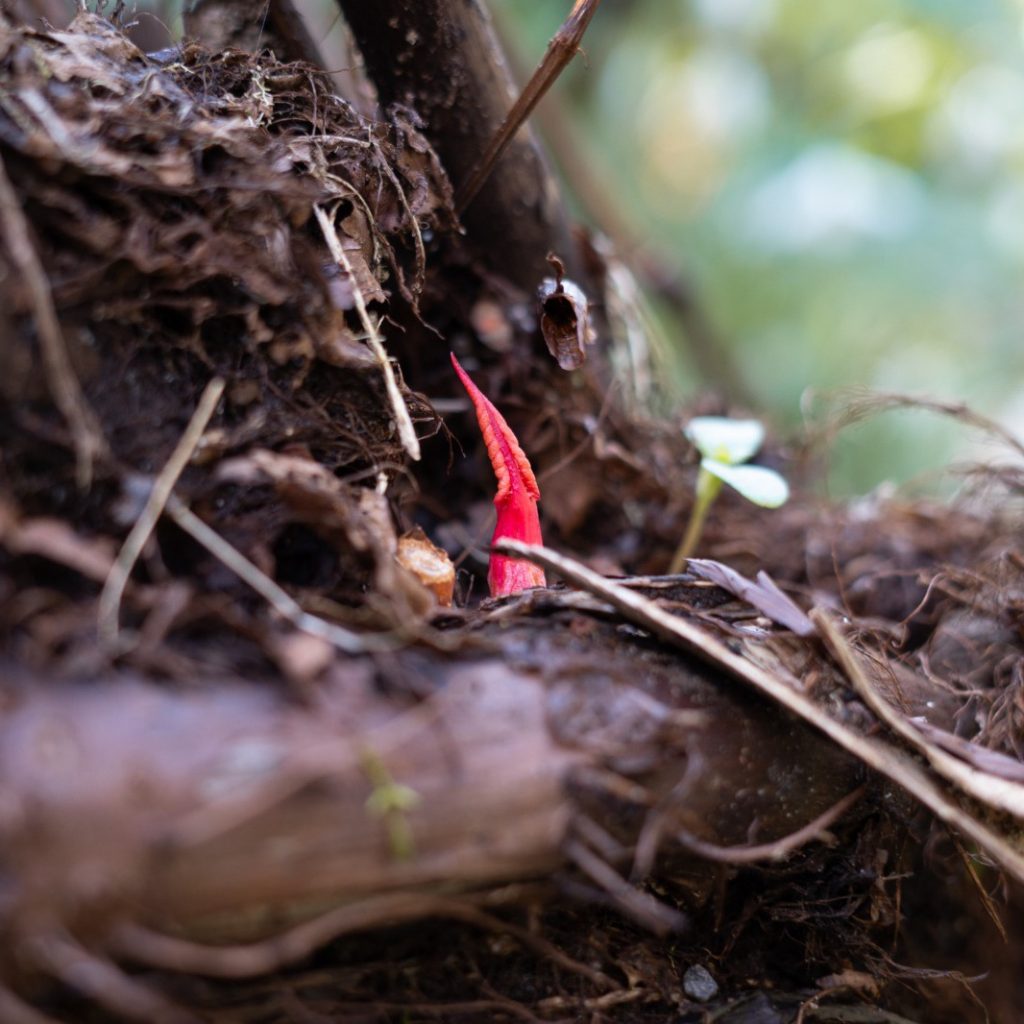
86, 434
883, 758
1001, 794
403, 421
281, 601
163, 485
563, 47
858, 405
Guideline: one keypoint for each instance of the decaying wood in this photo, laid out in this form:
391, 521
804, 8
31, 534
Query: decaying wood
223, 814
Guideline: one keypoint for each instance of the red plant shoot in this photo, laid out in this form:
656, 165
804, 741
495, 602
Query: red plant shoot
516, 497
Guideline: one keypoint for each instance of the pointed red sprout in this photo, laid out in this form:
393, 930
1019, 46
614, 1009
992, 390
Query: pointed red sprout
516, 497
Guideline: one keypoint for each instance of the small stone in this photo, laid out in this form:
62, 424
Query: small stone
698, 984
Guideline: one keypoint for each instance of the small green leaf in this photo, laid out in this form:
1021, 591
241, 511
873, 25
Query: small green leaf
392, 798
725, 440
758, 484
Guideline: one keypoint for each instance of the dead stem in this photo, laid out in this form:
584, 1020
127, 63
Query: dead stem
779, 849
163, 485
641, 906
86, 435
999, 793
280, 600
403, 421
564, 45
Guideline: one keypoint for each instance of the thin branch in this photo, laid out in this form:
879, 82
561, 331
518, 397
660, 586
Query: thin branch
641, 906
444, 61
86, 434
278, 598
780, 849
160, 493
403, 421
563, 47
659, 270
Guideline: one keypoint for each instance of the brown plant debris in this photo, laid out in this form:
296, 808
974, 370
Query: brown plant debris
265, 756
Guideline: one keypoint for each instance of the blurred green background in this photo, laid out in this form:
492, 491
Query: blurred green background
842, 181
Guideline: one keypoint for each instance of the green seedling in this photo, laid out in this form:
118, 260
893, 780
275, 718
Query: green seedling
391, 801
724, 446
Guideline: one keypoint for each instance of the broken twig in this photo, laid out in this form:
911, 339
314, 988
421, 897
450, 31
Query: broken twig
279, 599
86, 435
882, 757
163, 485
403, 421
563, 47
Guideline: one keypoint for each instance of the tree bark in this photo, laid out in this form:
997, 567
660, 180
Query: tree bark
443, 59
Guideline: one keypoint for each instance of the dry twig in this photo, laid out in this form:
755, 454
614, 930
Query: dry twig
281, 601
163, 485
563, 47
403, 421
86, 435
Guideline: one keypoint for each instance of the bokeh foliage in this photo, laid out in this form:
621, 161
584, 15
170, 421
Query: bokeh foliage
843, 181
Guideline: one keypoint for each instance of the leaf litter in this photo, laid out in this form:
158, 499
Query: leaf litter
199, 217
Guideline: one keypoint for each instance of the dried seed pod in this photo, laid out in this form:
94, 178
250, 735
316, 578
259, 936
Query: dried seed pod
565, 318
